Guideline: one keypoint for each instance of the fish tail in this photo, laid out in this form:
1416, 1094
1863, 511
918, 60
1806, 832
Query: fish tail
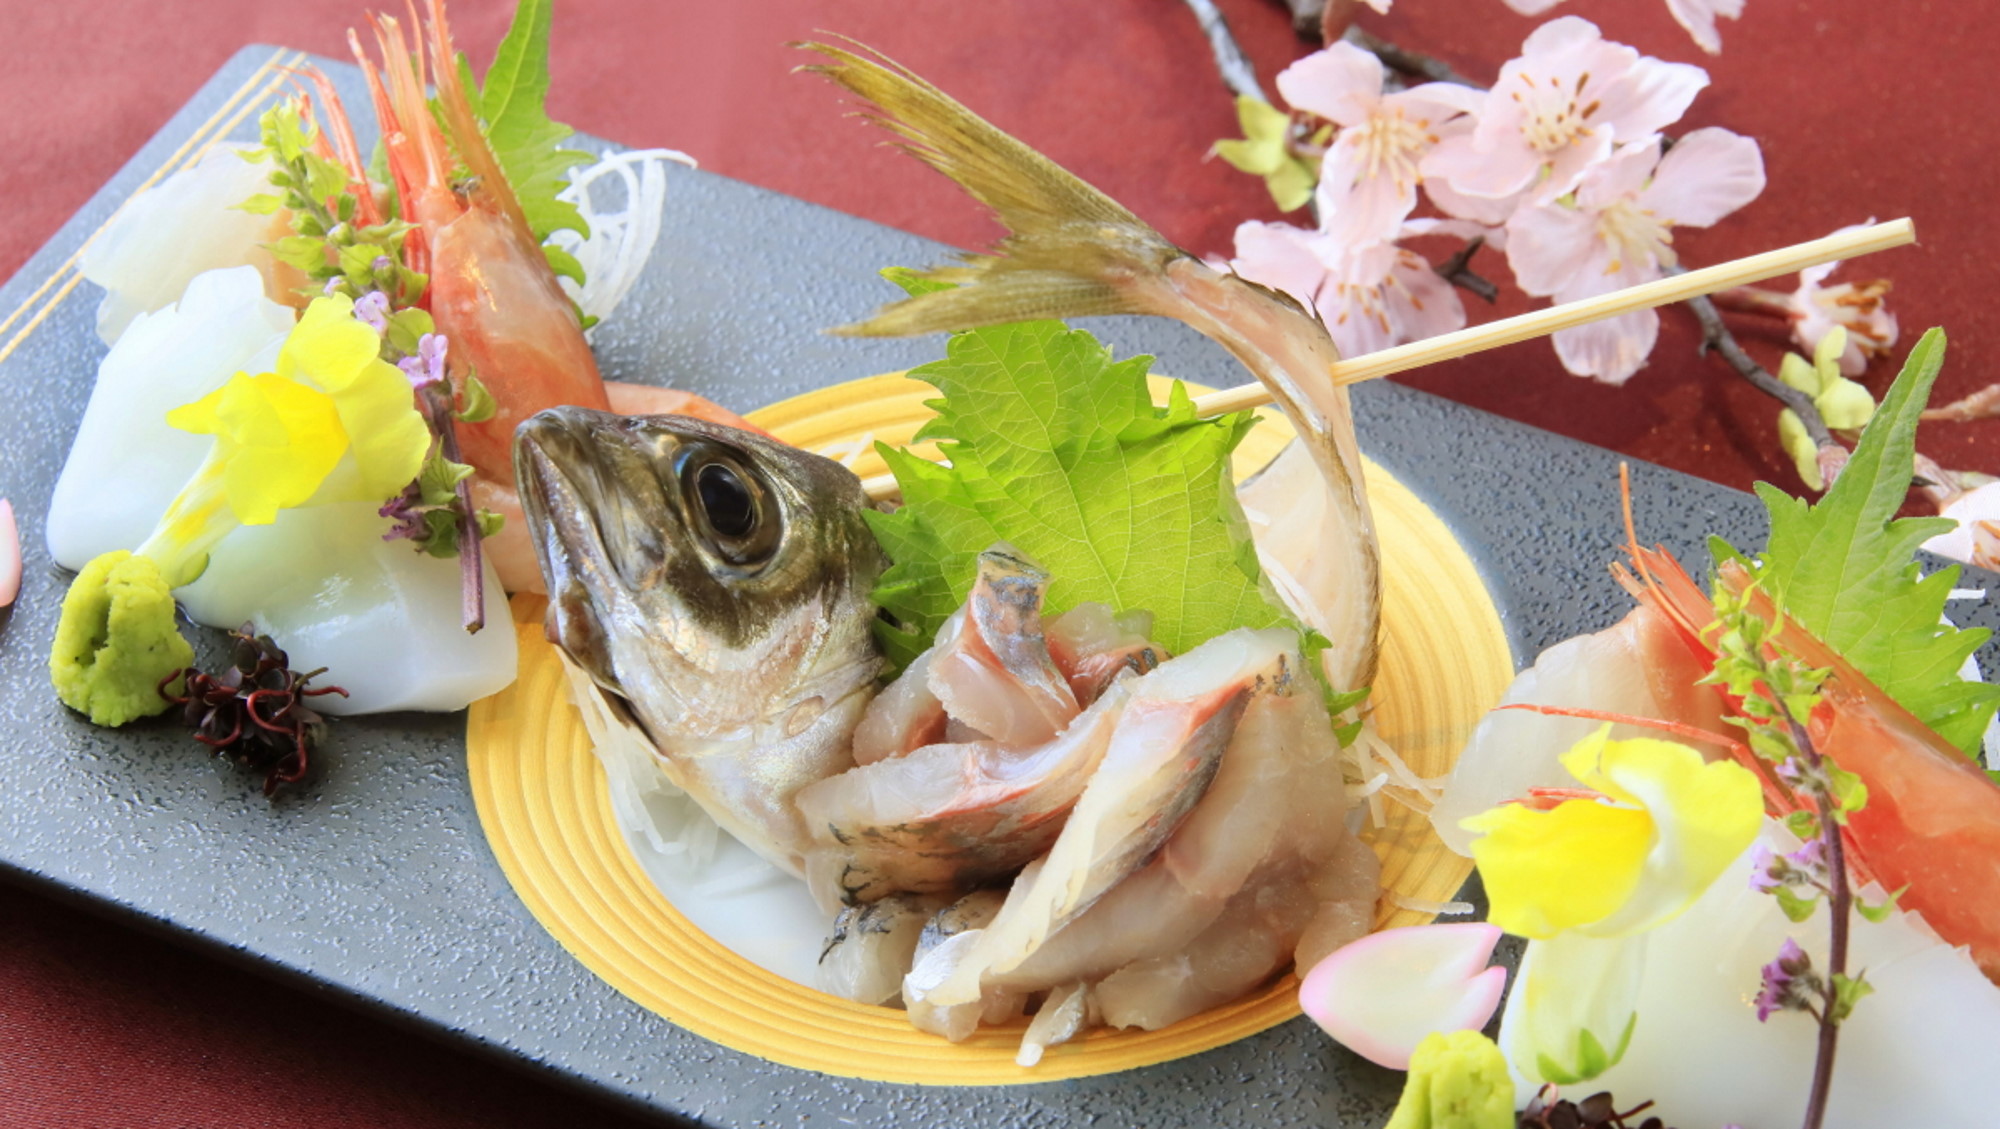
1069, 251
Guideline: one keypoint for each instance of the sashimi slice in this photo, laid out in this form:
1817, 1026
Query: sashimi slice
1164, 753
949, 817
993, 670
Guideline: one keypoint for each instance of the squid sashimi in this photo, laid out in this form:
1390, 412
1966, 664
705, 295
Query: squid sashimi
1918, 1051
1165, 751
382, 619
949, 817
1637, 667
185, 226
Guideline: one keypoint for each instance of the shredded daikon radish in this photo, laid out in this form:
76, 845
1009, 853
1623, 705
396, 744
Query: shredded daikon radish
643, 800
620, 241
849, 452
1420, 905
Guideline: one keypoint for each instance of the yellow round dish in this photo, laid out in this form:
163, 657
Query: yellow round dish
543, 803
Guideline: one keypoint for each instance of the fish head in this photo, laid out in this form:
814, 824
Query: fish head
711, 577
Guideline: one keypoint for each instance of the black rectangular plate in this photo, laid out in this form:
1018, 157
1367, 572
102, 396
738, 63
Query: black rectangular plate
375, 882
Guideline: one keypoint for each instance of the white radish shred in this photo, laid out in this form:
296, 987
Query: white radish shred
621, 239
1425, 905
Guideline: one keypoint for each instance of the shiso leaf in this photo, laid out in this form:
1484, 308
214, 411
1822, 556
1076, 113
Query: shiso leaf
512, 102
1844, 569
1057, 449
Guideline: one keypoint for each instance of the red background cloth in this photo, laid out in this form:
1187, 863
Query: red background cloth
1863, 109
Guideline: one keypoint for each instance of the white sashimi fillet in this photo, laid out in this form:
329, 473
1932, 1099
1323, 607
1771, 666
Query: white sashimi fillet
126, 463
383, 618
1513, 750
1287, 506
184, 226
1919, 1051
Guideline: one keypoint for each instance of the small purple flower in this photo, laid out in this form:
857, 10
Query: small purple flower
1767, 869
427, 367
1785, 982
373, 309
381, 263
402, 510
1810, 858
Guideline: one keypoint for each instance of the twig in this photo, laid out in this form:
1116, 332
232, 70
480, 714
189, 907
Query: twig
1408, 62
1983, 404
1715, 335
1457, 270
1237, 73
1840, 902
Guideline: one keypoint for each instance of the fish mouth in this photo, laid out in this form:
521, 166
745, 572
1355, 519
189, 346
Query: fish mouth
595, 518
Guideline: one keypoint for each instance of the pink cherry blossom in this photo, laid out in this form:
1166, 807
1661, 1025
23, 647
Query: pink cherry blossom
1618, 233
1368, 180
1371, 297
1560, 109
1816, 309
1697, 16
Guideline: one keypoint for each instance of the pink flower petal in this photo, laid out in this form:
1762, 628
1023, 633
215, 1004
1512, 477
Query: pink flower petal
1355, 208
1532, 7
1649, 97
1550, 246
1610, 350
1381, 995
1281, 257
1342, 84
1480, 209
10, 554
1439, 100
1704, 177
1698, 17
1496, 172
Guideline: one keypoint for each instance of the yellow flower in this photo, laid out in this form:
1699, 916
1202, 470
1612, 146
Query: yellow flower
1586, 879
1667, 826
335, 423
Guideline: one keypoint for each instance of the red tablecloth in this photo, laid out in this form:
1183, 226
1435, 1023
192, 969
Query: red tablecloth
1863, 109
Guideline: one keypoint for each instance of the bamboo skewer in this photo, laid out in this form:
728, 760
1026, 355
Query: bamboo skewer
1540, 323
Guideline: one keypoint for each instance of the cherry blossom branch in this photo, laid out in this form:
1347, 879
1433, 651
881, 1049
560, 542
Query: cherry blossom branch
1404, 61
1237, 73
1457, 270
1983, 404
1715, 335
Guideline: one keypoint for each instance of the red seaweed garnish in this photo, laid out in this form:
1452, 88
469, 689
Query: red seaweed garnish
254, 712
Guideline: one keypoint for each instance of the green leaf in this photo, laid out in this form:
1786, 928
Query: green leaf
262, 204
1843, 569
1850, 795
564, 264
1057, 449
1880, 913
1264, 151
1802, 823
524, 140
478, 403
406, 327
438, 480
1847, 992
1796, 907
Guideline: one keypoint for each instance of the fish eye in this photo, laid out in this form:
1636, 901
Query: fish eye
732, 509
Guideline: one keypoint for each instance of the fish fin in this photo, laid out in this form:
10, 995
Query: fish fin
1068, 246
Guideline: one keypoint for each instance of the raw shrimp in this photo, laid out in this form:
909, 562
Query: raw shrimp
491, 291
1932, 821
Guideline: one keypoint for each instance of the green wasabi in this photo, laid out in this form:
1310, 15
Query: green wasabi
1458, 1080
116, 641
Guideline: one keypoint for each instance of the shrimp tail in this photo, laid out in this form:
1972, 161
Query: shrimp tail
1071, 251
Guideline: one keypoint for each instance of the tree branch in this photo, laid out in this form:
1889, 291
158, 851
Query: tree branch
1237, 73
